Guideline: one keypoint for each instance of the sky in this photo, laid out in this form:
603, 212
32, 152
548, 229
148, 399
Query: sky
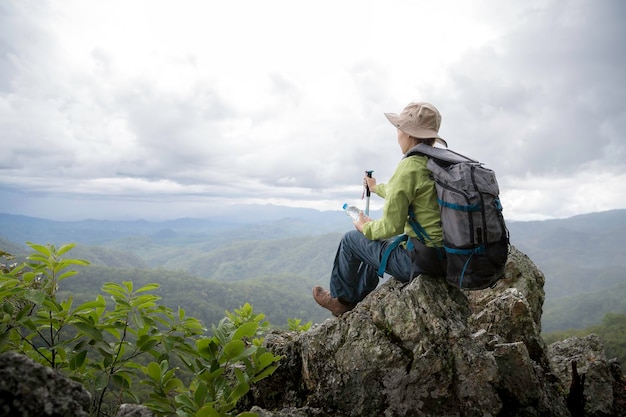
166, 109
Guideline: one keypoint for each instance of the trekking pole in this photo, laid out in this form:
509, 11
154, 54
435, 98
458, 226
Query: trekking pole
367, 194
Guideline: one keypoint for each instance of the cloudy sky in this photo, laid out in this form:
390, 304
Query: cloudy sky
165, 109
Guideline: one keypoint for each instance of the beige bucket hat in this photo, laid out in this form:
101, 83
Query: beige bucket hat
420, 120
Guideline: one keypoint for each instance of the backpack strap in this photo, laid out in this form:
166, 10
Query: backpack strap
421, 233
422, 236
395, 242
440, 154
471, 252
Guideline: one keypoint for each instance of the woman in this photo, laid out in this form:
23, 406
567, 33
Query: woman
362, 251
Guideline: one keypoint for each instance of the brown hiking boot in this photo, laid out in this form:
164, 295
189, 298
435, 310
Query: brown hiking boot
323, 298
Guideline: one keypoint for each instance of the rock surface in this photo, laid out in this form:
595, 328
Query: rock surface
133, 410
588, 355
30, 389
428, 349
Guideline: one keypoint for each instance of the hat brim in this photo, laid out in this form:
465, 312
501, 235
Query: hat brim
415, 131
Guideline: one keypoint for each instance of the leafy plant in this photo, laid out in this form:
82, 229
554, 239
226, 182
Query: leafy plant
109, 347
296, 326
228, 363
33, 322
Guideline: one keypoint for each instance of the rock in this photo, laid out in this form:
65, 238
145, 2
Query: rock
290, 412
581, 363
508, 317
619, 388
30, 389
525, 387
399, 353
523, 275
134, 410
422, 349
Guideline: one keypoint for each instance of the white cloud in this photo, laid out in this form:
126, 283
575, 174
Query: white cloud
544, 197
278, 101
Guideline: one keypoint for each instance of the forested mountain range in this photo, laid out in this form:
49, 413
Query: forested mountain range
584, 260
272, 258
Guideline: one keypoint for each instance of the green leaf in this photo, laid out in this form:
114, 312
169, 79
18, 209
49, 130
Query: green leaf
153, 370
78, 360
164, 365
99, 302
211, 377
122, 304
35, 296
201, 393
101, 381
266, 359
233, 349
193, 325
185, 400
39, 248
148, 287
173, 385
66, 275
115, 290
8, 308
138, 320
207, 411
207, 348
145, 343
67, 262
266, 372
246, 330
89, 330
122, 380
240, 390
43, 259
51, 304
241, 377
65, 248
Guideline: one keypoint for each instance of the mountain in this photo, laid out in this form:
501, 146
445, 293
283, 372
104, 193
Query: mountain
579, 254
582, 257
239, 223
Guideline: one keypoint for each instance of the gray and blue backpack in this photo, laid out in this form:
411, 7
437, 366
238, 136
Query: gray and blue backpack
475, 237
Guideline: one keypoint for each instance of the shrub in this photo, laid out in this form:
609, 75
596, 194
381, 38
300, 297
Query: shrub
108, 348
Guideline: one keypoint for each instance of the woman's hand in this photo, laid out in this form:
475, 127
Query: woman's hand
358, 224
370, 182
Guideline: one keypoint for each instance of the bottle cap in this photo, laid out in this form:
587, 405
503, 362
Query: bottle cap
345, 206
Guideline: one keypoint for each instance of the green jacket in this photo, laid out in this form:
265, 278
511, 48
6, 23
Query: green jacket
411, 184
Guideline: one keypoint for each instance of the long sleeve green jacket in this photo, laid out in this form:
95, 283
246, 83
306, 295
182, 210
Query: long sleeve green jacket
410, 185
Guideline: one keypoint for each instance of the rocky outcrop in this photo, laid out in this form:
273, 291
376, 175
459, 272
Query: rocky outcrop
133, 410
30, 389
427, 349
580, 363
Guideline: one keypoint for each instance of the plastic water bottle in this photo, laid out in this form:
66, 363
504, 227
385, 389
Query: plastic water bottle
352, 211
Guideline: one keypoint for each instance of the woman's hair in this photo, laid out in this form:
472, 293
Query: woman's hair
429, 141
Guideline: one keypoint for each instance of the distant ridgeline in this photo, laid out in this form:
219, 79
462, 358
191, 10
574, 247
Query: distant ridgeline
582, 257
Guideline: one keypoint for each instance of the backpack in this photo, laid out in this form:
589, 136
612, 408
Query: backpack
475, 237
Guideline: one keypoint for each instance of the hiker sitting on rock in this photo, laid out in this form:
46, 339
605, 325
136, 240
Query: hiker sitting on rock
361, 252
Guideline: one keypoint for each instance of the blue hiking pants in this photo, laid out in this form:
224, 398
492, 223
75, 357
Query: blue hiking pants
354, 273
